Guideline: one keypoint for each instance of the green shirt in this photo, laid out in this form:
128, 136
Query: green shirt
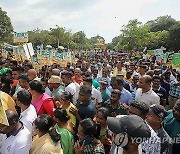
171, 125
67, 140
118, 109
95, 84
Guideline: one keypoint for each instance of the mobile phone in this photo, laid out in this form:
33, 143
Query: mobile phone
86, 140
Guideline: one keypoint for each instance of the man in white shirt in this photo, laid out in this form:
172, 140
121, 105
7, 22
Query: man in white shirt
95, 94
18, 138
145, 93
69, 85
28, 112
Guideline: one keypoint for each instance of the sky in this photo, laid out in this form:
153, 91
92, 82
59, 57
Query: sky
94, 17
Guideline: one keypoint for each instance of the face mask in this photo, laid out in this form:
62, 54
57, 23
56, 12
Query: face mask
121, 139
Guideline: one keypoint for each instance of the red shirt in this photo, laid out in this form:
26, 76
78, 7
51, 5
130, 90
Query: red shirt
47, 107
78, 80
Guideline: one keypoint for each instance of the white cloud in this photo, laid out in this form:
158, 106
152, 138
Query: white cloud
103, 17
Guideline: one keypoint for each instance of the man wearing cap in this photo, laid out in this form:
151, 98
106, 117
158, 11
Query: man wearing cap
55, 83
130, 131
155, 117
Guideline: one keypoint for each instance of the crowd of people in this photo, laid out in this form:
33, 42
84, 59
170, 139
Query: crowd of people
103, 104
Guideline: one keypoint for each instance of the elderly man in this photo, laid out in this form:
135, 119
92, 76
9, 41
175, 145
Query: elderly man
32, 74
144, 93
77, 76
55, 83
18, 138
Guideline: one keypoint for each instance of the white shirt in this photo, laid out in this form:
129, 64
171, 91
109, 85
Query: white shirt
149, 97
19, 89
96, 96
28, 116
48, 91
17, 144
153, 144
71, 88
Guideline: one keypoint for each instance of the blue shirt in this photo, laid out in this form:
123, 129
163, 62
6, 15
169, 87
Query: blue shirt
86, 110
126, 97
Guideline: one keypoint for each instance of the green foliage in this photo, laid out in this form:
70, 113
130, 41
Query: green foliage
163, 31
174, 37
161, 23
6, 28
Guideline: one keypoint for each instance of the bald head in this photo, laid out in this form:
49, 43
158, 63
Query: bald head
32, 74
148, 78
12, 116
77, 72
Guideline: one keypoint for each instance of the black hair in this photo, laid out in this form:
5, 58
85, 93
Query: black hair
156, 77
104, 111
44, 80
88, 74
116, 91
24, 96
144, 67
88, 80
12, 116
66, 73
85, 90
61, 115
14, 62
37, 86
119, 81
67, 95
90, 128
17, 69
7, 84
24, 77
44, 122
9, 71
143, 107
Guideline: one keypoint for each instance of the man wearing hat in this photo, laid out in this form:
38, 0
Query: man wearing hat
130, 131
155, 117
55, 83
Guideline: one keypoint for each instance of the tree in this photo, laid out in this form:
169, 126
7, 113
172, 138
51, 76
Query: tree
161, 23
133, 37
6, 28
174, 39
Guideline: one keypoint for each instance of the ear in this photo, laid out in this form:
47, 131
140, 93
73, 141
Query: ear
159, 119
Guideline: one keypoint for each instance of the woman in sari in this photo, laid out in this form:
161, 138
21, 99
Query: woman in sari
63, 128
43, 103
47, 140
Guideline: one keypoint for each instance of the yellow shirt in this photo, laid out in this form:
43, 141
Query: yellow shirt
72, 117
7, 101
45, 145
116, 72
